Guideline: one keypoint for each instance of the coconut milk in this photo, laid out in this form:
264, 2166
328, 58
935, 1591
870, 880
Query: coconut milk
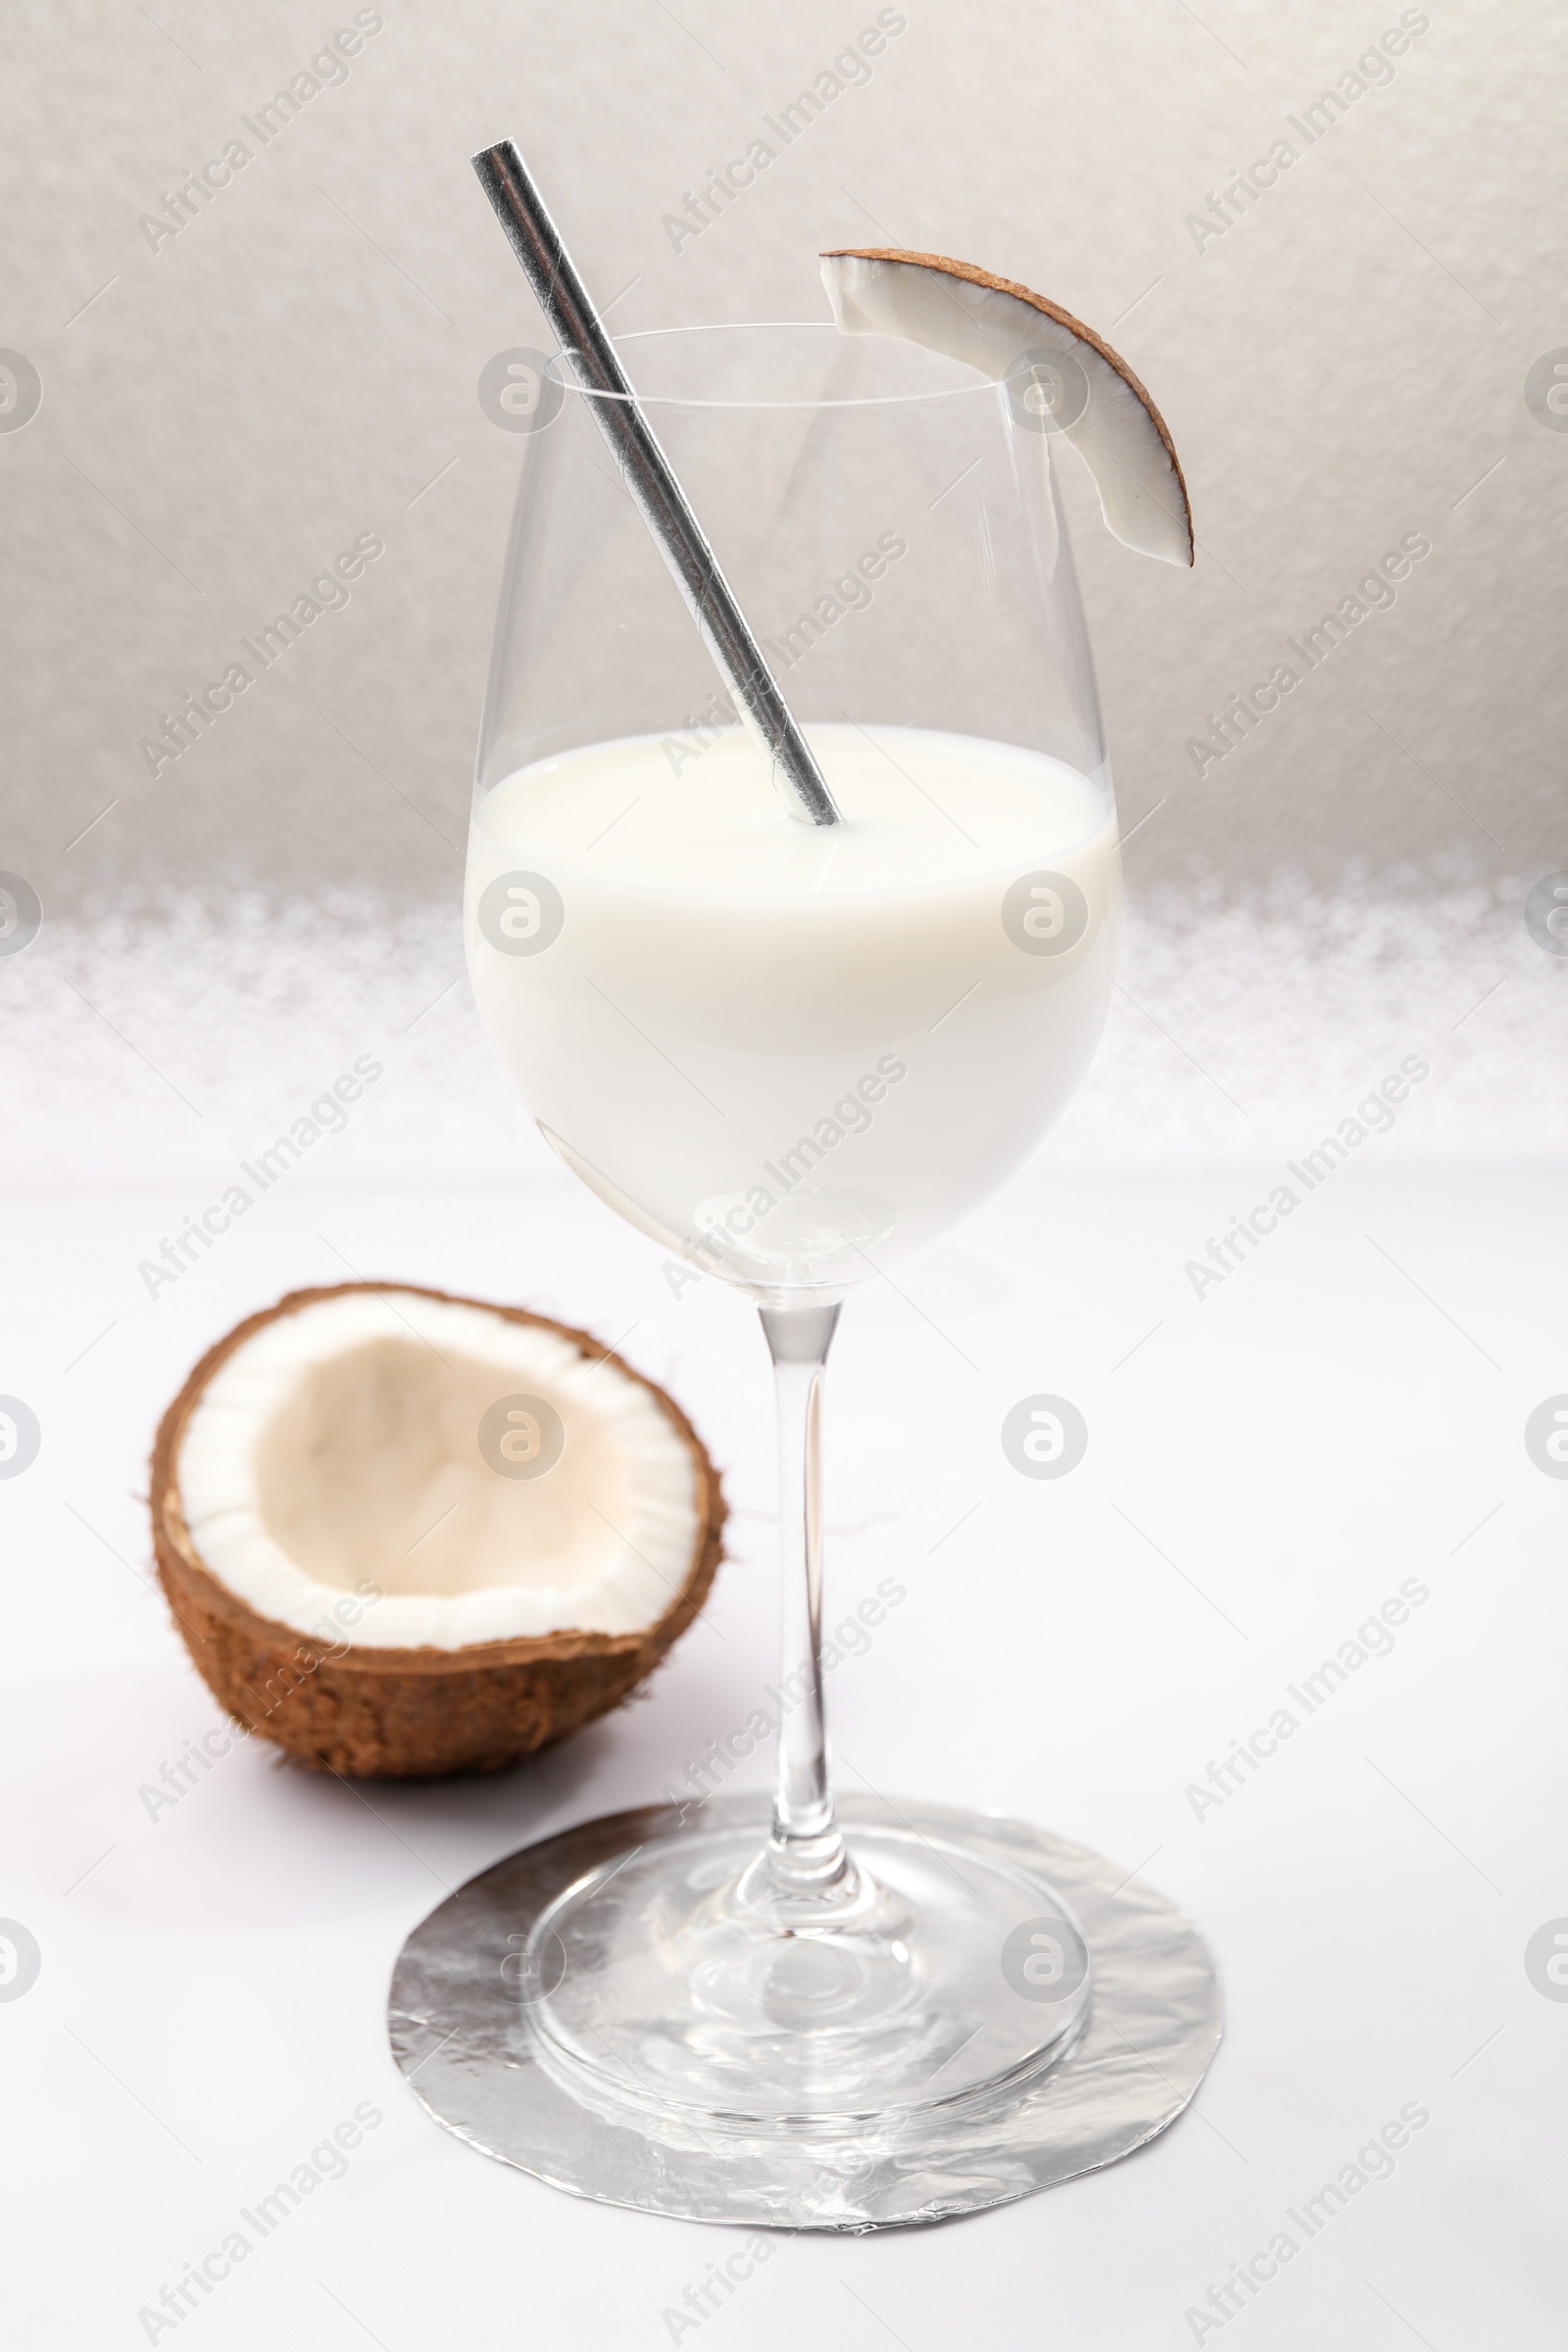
792, 1051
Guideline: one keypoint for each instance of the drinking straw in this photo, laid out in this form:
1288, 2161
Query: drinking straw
649, 477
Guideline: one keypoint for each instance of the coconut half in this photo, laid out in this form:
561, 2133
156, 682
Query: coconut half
405, 1534
1061, 373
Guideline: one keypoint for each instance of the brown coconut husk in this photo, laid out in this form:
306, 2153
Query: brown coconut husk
410, 1713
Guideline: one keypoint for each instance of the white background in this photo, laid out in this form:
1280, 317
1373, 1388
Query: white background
1344, 366
1262, 1473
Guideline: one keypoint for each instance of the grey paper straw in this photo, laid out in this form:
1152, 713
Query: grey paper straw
658, 497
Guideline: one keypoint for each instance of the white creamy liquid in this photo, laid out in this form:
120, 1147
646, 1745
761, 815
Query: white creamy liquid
791, 1051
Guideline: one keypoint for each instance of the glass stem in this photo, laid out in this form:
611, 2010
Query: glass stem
804, 1862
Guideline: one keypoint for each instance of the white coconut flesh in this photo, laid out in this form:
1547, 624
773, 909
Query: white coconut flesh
338, 1449
992, 325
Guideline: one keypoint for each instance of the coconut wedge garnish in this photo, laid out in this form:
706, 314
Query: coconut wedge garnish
406, 1534
1059, 373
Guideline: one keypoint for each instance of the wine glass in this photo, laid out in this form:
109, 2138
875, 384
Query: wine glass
792, 1054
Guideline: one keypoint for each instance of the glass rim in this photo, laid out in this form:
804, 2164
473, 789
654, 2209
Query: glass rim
731, 326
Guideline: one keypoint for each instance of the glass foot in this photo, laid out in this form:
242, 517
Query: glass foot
471, 1976
680, 1980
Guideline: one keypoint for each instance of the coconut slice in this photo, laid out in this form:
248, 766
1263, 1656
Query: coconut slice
404, 1533
1060, 374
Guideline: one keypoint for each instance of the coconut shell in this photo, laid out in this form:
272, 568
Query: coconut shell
973, 276
401, 1714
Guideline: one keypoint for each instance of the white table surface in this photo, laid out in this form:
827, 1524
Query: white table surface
1263, 1470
